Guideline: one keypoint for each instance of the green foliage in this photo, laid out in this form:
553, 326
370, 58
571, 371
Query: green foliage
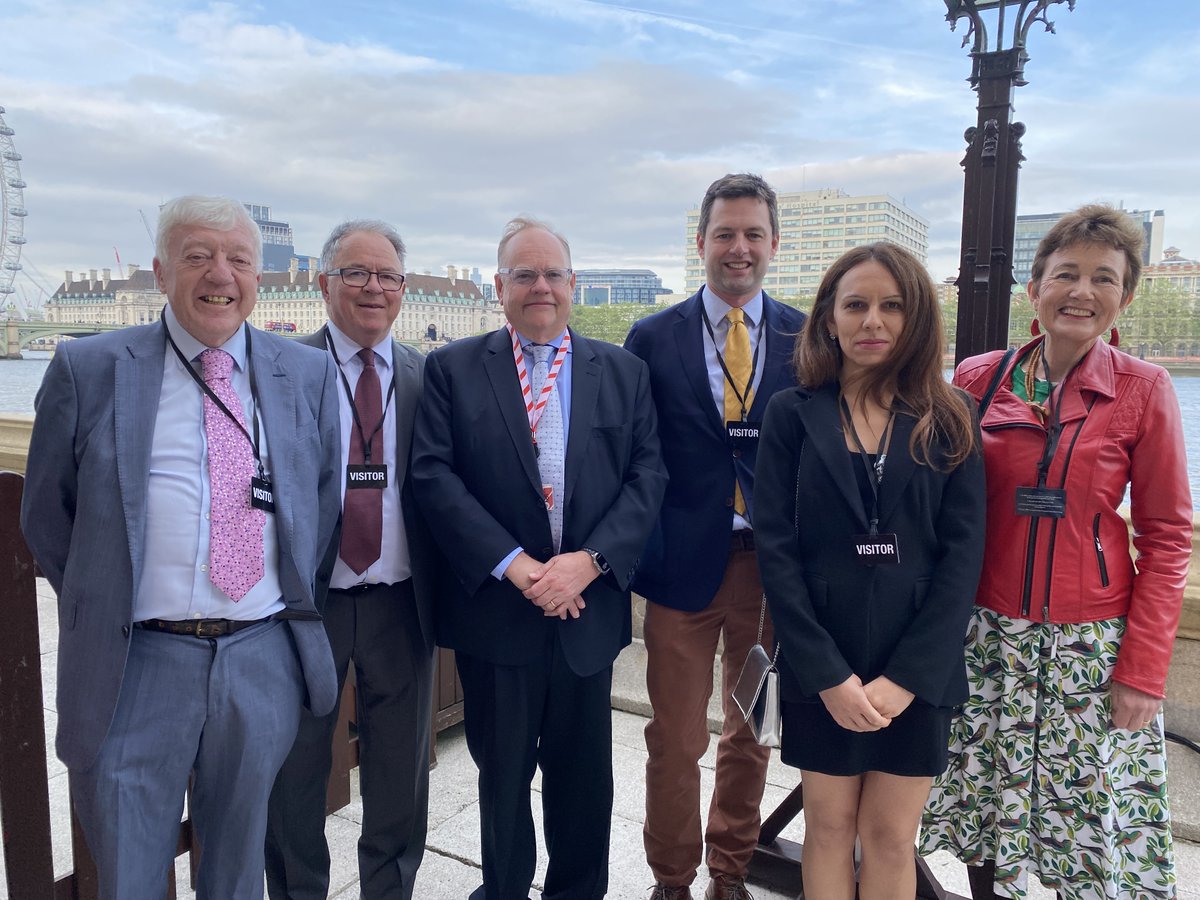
609, 323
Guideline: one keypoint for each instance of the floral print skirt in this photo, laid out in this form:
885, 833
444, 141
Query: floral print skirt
1038, 782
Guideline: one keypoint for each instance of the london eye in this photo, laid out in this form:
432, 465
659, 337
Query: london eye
12, 216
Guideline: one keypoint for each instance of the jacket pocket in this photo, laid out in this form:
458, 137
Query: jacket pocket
1099, 551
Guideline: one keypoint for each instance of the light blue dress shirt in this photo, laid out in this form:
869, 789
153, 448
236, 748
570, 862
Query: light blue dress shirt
562, 384
175, 583
752, 315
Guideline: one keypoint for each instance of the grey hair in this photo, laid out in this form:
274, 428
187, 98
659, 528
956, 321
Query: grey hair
219, 213
520, 223
374, 226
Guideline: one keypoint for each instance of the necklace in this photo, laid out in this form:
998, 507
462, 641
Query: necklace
1031, 380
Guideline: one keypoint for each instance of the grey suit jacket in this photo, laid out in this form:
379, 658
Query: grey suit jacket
408, 373
84, 507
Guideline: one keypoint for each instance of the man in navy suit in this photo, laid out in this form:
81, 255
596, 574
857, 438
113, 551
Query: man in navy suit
188, 636
536, 462
715, 360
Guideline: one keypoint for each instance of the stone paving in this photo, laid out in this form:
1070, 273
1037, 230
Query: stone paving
451, 869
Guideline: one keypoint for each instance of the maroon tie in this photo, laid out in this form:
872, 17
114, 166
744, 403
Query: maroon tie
362, 510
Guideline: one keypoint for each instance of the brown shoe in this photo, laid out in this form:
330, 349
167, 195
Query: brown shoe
727, 887
662, 892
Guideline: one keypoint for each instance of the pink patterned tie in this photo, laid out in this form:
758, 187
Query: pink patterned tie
235, 540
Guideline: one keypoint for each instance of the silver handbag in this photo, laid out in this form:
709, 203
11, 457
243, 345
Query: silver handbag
757, 691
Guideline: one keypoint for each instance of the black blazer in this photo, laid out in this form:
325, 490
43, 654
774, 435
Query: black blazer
476, 477
835, 616
685, 558
408, 365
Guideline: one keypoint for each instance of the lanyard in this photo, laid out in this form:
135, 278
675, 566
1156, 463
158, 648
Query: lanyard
535, 406
874, 472
254, 441
367, 439
1054, 426
745, 392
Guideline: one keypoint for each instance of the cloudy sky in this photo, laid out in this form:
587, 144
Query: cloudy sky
447, 117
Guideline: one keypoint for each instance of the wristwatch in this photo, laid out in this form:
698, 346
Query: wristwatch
598, 560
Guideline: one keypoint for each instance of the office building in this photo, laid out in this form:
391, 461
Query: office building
1031, 229
601, 287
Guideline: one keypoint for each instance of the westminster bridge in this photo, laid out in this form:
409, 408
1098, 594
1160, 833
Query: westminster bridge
20, 333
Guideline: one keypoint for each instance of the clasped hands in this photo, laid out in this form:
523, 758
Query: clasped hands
866, 707
556, 587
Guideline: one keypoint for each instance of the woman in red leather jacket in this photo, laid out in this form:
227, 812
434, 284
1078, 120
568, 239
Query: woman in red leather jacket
1058, 767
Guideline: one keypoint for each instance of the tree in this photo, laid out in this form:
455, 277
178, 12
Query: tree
610, 322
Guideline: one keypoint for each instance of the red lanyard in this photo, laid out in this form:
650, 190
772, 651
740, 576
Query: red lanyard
535, 406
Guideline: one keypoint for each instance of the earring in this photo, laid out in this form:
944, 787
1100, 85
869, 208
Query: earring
833, 337
1114, 337
1034, 328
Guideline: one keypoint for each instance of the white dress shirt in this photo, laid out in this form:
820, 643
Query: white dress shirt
394, 563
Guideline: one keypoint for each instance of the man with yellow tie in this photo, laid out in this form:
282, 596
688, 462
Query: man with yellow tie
715, 360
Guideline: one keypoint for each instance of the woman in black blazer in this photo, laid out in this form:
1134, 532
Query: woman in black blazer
869, 529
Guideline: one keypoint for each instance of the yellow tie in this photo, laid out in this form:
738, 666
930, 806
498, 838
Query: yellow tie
737, 360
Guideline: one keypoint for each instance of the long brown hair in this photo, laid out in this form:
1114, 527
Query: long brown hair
912, 372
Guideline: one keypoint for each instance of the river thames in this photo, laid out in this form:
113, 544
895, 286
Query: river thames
19, 380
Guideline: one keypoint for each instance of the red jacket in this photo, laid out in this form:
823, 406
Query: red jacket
1121, 426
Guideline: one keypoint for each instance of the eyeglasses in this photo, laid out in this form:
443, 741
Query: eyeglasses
526, 277
388, 281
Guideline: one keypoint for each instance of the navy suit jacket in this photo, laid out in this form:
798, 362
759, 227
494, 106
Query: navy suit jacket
408, 368
476, 477
685, 558
84, 507
835, 616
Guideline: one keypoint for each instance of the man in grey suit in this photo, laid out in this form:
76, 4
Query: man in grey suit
378, 610
182, 485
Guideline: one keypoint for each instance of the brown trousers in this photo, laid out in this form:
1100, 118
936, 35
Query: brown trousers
680, 649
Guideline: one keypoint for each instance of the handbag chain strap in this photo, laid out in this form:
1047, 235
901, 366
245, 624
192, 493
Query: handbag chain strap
762, 617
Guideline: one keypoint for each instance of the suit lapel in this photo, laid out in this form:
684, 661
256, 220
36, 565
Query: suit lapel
585, 388
898, 468
404, 377
689, 338
137, 389
502, 375
276, 403
823, 431
778, 361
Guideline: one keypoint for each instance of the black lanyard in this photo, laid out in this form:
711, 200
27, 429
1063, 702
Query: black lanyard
874, 472
745, 392
1054, 426
367, 440
254, 441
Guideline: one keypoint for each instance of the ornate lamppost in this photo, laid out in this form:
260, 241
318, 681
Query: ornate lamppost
990, 166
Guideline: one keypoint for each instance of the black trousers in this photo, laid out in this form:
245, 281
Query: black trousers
379, 630
542, 715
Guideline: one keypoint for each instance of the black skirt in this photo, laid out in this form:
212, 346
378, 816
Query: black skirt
915, 743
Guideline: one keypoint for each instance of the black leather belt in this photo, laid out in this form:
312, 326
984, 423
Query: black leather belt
742, 540
201, 628
356, 589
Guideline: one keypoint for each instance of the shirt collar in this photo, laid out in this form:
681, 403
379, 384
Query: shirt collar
347, 348
192, 348
526, 343
716, 308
